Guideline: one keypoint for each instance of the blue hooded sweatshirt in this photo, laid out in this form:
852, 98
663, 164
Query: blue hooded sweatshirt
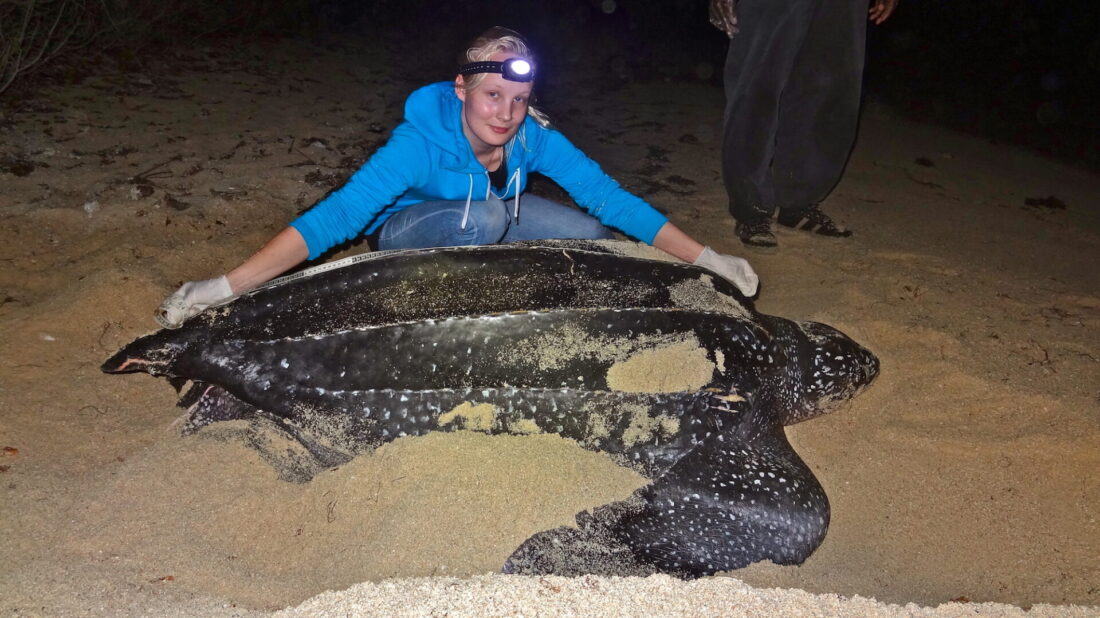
428, 158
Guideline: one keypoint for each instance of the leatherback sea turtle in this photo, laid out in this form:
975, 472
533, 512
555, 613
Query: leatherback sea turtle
662, 365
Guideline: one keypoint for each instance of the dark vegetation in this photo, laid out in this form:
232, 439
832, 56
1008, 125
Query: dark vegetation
58, 37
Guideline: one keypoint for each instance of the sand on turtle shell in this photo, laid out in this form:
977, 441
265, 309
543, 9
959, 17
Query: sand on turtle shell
668, 368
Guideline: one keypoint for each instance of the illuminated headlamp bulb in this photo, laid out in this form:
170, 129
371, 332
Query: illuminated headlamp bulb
517, 67
513, 69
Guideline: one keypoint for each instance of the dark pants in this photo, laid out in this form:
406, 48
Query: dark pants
793, 76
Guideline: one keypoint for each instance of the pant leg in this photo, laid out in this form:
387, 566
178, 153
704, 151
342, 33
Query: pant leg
541, 218
439, 224
819, 110
758, 65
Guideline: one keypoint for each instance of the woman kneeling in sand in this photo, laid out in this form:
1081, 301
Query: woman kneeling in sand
453, 173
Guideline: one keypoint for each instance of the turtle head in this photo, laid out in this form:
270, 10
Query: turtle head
155, 353
834, 368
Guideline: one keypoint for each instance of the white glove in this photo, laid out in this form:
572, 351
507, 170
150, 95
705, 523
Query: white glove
193, 297
735, 269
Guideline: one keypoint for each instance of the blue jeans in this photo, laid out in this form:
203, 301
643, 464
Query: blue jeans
439, 224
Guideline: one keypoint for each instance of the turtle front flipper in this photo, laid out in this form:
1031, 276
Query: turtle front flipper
728, 503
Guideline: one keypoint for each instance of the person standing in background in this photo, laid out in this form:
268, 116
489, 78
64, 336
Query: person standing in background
793, 75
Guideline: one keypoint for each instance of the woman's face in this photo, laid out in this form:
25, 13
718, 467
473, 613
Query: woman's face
494, 111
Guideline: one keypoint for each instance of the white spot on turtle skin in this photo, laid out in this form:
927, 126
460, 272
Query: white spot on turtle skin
285, 364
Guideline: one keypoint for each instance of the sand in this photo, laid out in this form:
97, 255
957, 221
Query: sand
963, 482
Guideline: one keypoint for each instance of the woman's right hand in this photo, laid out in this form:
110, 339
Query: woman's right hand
192, 298
286, 250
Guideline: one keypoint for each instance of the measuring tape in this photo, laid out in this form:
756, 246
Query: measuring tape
324, 268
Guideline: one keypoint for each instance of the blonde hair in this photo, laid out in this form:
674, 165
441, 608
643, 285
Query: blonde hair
494, 40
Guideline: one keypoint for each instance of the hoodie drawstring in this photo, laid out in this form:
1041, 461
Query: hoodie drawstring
515, 179
488, 187
469, 196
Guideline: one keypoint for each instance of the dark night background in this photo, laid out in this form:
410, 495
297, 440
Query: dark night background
1020, 71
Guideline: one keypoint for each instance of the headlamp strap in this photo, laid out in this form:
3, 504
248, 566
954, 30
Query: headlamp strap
474, 68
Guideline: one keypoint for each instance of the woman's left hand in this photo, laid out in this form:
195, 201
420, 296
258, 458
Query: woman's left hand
735, 269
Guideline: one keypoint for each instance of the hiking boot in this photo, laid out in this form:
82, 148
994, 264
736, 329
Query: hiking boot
814, 221
756, 234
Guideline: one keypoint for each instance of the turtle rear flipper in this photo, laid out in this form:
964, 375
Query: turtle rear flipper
728, 503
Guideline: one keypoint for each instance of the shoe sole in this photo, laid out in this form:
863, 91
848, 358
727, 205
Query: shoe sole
815, 229
760, 248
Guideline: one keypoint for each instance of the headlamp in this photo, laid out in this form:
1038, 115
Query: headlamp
513, 69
